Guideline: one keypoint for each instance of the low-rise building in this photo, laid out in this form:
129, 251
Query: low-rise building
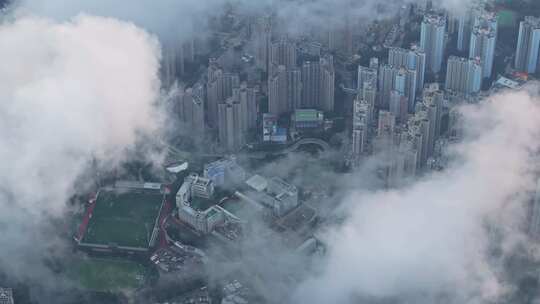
225, 171
307, 119
271, 131
274, 194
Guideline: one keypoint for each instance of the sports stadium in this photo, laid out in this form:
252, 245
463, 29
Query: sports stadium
124, 218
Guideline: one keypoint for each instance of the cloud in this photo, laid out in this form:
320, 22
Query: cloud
170, 19
184, 19
431, 238
70, 92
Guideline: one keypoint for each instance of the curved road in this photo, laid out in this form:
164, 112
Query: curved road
307, 141
259, 154
304, 141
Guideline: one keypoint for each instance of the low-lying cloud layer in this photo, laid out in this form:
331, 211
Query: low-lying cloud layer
185, 19
433, 238
69, 93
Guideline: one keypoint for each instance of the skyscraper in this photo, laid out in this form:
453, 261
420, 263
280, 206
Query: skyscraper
418, 132
398, 105
432, 103
172, 64
528, 45
191, 108
386, 123
262, 37
463, 75
413, 59
247, 97
405, 163
361, 121
311, 84
482, 46
318, 84
366, 74
219, 87
283, 52
534, 227
369, 94
399, 79
284, 90
231, 125
327, 84
432, 40
374, 63
464, 30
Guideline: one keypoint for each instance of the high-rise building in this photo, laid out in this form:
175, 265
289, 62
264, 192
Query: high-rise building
482, 46
464, 30
283, 52
191, 108
463, 75
231, 125
284, 90
262, 37
172, 64
534, 227
366, 74
311, 84
413, 59
399, 79
386, 123
318, 84
247, 97
327, 84
465, 24
433, 103
219, 87
369, 94
339, 38
418, 132
374, 63
398, 105
362, 117
405, 163
432, 41
225, 172
387, 78
528, 45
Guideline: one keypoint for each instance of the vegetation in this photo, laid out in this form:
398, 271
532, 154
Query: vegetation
107, 274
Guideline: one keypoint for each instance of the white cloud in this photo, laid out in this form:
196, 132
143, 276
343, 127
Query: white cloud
69, 92
431, 238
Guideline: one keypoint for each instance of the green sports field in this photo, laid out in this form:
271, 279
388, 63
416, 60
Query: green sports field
123, 219
106, 274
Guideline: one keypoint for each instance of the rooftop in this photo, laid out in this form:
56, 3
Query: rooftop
257, 182
308, 115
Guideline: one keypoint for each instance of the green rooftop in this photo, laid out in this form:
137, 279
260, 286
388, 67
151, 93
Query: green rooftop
308, 115
506, 18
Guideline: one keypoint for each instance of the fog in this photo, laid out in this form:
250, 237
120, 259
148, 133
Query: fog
70, 93
434, 237
185, 19
79, 81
